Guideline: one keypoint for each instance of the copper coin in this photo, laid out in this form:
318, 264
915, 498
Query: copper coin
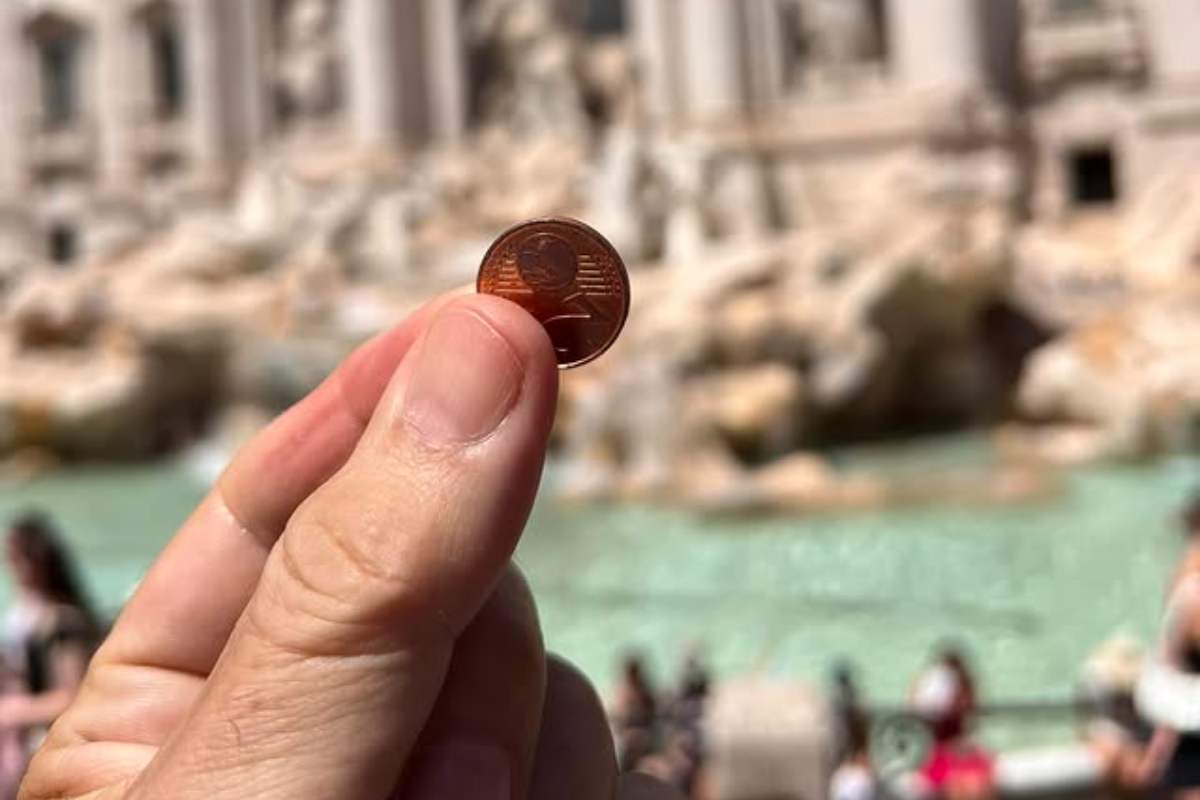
566, 275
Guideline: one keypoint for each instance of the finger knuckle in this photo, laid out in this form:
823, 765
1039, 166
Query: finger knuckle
339, 587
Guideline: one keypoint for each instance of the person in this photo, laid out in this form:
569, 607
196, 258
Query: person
675, 765
340, 617
846, 711
634, 714
1168, 693
687, 744
854, 777
945, 696
1116, 733
50, 633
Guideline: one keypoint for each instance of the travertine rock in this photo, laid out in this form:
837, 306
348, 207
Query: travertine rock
804, 482
1134, 378
78, 402
783, 300
757, 412
51, 310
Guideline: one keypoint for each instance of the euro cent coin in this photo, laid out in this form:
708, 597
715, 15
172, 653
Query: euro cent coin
568, 277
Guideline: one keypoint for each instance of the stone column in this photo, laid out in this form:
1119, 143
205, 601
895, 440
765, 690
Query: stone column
251, 26
765, 47
1174, 34
207, 122
714, 72
367, 28
655, 49
116, 102
14, 113
937, 44
446, 67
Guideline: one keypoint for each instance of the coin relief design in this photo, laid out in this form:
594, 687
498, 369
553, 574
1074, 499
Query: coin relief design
566, 275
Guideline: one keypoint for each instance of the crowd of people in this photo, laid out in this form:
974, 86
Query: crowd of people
1143, 712
951, 764
662, 734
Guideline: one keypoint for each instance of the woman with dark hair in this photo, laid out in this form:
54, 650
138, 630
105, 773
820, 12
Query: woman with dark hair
50, 632
1168, 693
946, 698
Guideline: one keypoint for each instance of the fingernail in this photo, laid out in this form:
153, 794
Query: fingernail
466, 380
460, 771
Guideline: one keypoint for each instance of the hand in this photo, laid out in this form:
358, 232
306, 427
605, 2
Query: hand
1153, 765
339, 619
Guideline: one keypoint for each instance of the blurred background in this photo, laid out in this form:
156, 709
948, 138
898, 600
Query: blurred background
912, 366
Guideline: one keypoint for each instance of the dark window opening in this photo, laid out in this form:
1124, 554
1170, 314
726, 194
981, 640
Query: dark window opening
169, 85
164, 165
1093, 177
58, 58
49, 173
605, 17
879, 28
63, 244
1077, 8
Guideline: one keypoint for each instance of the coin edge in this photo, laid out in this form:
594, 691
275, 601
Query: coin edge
577, 224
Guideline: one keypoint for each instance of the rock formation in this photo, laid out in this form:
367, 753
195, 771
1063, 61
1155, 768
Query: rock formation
774, 313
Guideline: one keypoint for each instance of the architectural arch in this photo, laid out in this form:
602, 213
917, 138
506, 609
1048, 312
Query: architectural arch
162, 58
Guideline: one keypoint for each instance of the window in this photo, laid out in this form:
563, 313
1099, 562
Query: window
166, 53
879, 25
1076, 8
58, 50
605, 17
1093, 177
62, 243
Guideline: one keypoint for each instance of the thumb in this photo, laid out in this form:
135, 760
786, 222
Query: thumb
337, 661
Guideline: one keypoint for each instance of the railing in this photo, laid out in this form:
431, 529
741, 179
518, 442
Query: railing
159, 137
1056, 13
61, 144
1096, 36
1037, 708
900, 743
1078, 9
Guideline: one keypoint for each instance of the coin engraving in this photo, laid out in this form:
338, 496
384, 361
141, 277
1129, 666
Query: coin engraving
568, 277
547, 263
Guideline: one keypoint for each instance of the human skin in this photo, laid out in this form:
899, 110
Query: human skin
339, 618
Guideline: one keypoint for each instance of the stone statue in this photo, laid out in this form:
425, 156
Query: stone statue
843, 32
614, 84
622, 171
309, 60
535, 86
617, 190
683, 169
739, 199
829, 40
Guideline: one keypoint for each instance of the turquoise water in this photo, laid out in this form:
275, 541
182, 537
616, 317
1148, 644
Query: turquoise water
1030, 589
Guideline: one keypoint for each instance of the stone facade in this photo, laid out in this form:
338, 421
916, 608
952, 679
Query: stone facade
120, 114
844, 218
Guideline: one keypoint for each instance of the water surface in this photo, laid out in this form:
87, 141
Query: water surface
1030, 589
